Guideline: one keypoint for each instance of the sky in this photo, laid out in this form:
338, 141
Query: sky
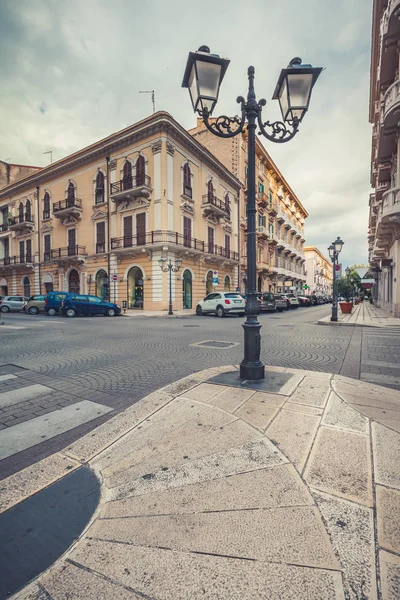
71, 72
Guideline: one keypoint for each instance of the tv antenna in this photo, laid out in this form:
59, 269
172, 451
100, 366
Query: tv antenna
51, 155
152, 98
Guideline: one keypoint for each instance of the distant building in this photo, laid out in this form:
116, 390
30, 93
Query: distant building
319, 272
280, 214
384, 202
10, 173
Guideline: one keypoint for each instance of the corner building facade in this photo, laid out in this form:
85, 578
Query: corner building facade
280, 215
99, 220
384, 202
319, 272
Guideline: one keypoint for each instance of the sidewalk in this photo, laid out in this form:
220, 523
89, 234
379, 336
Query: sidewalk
363, 315
178, 314
219, 491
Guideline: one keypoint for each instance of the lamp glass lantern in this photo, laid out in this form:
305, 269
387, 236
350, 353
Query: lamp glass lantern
348, 271
338, 245
331, 251
178, 262
203, 76
294, 88
161, 262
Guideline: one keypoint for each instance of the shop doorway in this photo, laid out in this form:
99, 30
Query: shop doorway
259, 284
101, 284
3, 287
187, 289
209, 283
27, 287
73, 282
135, 288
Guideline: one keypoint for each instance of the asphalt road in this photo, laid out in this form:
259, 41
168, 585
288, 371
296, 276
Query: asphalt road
60, 378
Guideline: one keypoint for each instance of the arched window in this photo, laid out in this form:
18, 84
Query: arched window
46, 206
127, 176
227, 284
187, 181
99, 195
21, 212
227, 204
70, 194
210, 191
140, 171
27, 287
28, 211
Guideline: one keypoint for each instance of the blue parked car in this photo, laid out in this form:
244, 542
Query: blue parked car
82, 304
52, 303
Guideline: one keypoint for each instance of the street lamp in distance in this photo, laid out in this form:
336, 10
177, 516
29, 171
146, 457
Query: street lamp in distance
203, 76
166, 266
334, 250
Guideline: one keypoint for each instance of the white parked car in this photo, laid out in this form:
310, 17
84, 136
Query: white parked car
12, 303
221, 303
294, 301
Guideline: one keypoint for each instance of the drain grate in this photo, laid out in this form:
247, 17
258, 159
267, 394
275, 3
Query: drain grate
215, 344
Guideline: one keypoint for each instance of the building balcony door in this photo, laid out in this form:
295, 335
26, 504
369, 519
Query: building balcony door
187, 289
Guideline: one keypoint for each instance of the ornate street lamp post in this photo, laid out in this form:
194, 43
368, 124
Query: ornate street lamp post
203, 77
334, 250
169, 267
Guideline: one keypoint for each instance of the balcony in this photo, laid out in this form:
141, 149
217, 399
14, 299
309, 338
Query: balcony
157, 239
131, 188
21, 224
215, 207
67, 254
46, 215
3, 227
187, 193
68, 210
390, 30
100, 248
16, 261
262, 232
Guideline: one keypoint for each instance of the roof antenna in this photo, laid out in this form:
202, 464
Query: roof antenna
152, 98
51, 155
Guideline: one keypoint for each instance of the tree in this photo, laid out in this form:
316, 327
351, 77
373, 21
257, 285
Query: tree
350, 286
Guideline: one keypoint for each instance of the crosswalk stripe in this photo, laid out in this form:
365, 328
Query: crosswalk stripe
10, 327
7, 377
21, 394
25, 435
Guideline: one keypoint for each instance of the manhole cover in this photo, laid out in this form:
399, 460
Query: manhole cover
216, 344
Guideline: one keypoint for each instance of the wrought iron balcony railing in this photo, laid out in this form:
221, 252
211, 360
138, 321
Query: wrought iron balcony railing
221, 205
68, 251
20, 220
130, 183
67, 203
152, 238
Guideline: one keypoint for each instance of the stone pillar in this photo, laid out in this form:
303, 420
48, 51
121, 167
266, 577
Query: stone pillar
14, 282
113, 286
156, 148
170, 186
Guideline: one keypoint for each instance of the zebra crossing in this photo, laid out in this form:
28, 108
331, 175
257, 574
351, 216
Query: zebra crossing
39, 429
29, 324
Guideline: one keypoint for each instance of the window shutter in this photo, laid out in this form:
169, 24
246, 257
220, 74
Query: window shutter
21, 251
28, 250
127, 231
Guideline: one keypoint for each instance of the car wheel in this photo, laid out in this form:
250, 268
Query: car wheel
70, 312
220, 311
33, 310
5, 309
51, 312
199, 311
110, 312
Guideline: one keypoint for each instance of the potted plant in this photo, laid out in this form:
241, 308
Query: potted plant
346, 307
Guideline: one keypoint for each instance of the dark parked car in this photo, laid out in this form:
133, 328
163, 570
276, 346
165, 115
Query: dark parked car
81, 304
280, 303
314, 300
268, 302
52, 303
304, 301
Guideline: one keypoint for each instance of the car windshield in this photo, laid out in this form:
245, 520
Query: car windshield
232, 295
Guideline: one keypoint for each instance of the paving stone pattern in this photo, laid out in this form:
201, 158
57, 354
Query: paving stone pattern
217, 492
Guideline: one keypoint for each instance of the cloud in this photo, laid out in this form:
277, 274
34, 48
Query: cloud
90, 59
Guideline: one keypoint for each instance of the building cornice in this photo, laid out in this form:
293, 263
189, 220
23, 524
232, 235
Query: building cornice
315, 249
157, 124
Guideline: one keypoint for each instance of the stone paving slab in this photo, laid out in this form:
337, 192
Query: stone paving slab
206, 494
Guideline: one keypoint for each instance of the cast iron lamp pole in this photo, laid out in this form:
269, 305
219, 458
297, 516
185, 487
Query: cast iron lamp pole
203, 76
172, 269
334, 250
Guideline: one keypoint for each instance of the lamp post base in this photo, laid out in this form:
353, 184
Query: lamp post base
251, 367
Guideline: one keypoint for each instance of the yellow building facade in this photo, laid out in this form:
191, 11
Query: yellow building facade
319, 272
99, 220
280, 214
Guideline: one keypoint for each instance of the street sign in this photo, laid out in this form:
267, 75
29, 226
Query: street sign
305, 287
215, 277
338, 267
115, 277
